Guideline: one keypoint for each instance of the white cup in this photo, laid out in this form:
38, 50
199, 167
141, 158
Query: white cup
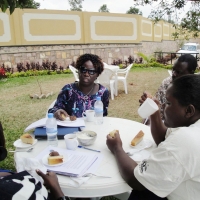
148, 108
71, 141
89, 115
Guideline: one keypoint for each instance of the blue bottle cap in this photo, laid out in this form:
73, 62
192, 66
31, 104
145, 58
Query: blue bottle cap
98, 98
50, 115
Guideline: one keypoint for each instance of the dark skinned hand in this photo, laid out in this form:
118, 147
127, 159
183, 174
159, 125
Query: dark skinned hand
114, 143
60, 113
145, 95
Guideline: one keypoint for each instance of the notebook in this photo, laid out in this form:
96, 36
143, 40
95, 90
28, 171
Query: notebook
40, 132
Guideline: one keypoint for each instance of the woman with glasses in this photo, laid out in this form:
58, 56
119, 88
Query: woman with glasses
77, 97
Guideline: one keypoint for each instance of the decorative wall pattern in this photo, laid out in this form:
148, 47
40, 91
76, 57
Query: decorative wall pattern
5, 33
48, 27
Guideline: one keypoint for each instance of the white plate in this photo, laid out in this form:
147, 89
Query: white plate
19, 144
45, 161
140, 156
67, 120
144, 144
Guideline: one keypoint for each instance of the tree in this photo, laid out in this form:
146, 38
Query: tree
133, 10
12, 4
76, 5
103, 8
188, 25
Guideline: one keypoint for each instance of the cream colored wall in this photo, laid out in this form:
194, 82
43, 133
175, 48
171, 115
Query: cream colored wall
38, 27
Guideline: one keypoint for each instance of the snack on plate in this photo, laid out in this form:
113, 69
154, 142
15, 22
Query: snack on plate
54, 153
137, 139
72, 118
112, 133
54, 158
63, 116
27, 138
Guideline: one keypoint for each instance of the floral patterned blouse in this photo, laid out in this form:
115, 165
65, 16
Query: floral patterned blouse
74, 102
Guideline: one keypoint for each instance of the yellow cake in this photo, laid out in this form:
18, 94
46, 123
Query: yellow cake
53, 160
27, 138
137, 139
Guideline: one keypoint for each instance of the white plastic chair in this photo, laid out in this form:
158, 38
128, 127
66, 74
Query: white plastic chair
75, 72
105, 64
170, 72
51, 106
123, 77
105, 79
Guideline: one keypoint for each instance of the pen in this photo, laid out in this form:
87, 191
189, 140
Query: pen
88, 148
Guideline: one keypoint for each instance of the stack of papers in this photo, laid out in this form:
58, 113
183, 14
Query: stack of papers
76, 163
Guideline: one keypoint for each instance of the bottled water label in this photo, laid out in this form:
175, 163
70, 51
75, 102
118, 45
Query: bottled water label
52, 139
98, 110
51, 130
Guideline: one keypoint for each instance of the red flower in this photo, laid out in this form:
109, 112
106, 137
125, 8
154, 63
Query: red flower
2, 71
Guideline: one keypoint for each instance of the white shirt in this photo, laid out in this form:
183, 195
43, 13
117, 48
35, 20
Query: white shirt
173, 169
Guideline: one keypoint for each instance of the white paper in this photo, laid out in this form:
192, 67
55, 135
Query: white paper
78, 163
40, 123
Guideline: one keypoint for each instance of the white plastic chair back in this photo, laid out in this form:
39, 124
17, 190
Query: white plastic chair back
51, 106
75, 72
105, 79
123, 74
170, 72
105, 64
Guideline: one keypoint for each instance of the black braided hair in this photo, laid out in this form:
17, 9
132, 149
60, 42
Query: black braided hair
190, 60
95, 59
187, 90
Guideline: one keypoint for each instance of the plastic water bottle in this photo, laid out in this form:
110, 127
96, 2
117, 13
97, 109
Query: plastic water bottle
51, 130
98, 108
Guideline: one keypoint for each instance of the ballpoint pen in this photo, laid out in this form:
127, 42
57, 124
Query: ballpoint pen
88, 148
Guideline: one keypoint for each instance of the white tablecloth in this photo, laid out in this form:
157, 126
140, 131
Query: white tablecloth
97, 186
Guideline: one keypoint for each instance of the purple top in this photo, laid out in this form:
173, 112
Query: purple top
74, 102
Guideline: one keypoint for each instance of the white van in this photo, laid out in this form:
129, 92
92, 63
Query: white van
191, 48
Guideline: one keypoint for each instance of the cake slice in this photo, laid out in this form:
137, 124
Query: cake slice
53, 160
27, 138
137, 139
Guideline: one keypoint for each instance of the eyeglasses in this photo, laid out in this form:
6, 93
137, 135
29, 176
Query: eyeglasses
89, 71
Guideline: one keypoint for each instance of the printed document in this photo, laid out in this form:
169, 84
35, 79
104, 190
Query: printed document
76, 163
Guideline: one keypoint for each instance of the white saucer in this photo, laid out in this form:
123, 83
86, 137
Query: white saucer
19, 144
144, 144
140, 156
67, 120
45, 161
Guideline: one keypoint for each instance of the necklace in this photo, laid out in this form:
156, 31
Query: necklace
86, 95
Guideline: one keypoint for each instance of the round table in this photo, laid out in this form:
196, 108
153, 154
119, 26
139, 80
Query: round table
97, 186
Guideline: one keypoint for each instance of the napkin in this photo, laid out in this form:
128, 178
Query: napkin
30, 165
78, 181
